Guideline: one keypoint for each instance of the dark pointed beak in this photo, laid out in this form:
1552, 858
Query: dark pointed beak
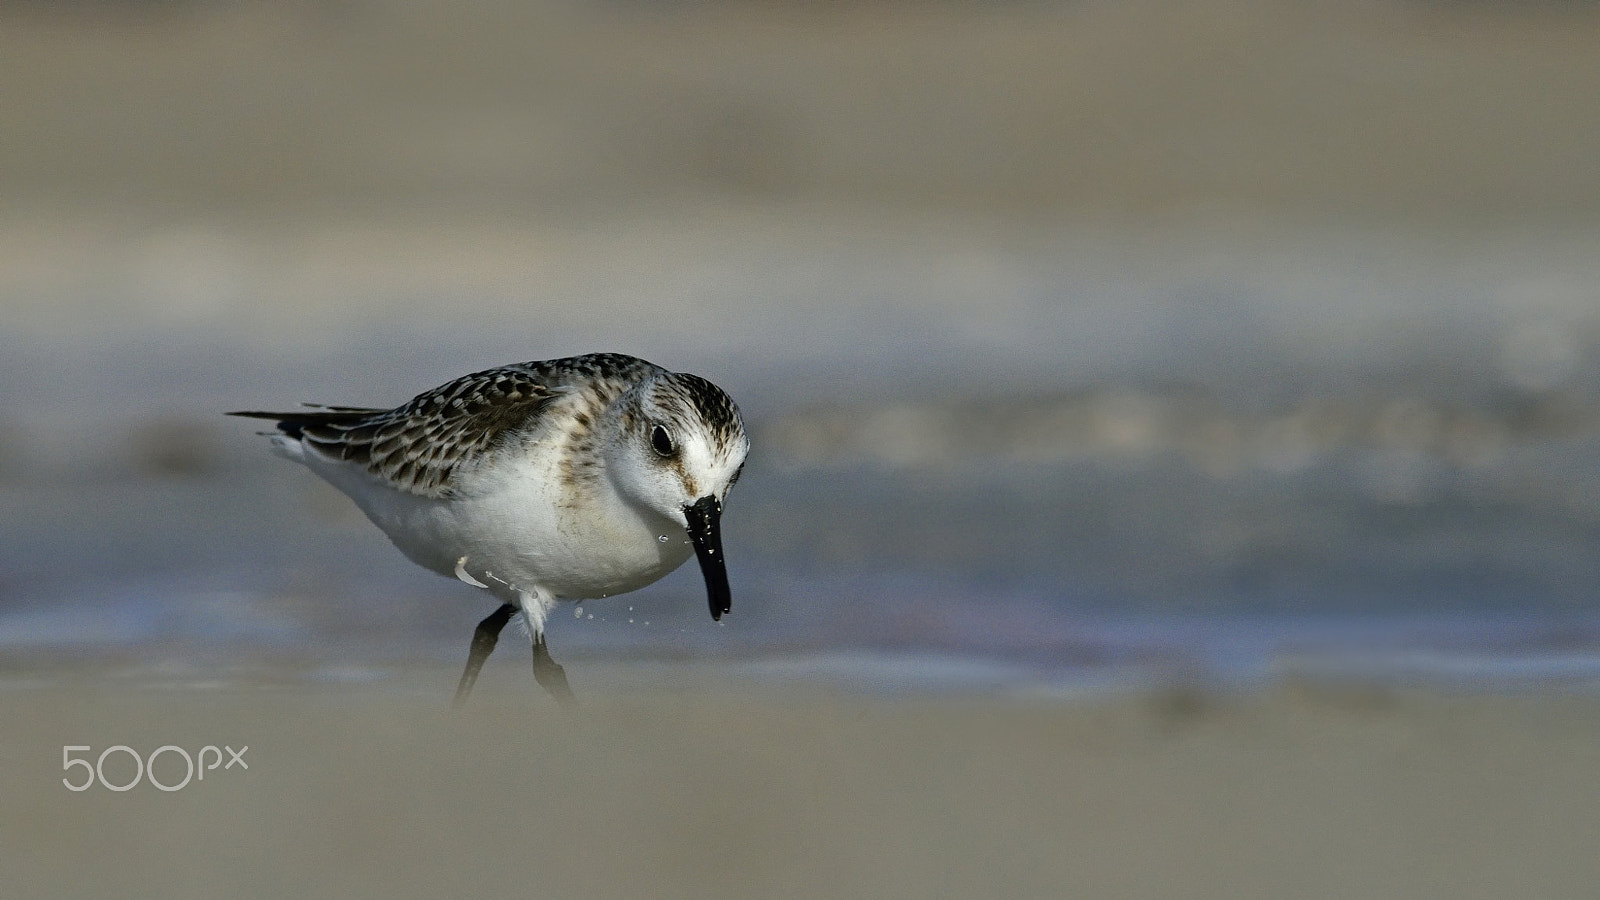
705, 516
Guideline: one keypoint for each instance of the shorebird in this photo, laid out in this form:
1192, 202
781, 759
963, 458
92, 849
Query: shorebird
567, 479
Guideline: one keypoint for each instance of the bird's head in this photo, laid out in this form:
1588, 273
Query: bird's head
679, 447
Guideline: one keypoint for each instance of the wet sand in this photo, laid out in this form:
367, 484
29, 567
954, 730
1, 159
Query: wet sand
380, 791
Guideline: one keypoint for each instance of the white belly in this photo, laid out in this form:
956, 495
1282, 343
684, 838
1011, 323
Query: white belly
525, 535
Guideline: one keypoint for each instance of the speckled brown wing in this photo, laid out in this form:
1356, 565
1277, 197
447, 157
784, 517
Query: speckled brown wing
419, 447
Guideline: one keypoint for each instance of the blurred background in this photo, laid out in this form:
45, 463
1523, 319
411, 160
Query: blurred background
1084, 344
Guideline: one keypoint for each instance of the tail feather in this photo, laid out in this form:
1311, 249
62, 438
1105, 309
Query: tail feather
294, 424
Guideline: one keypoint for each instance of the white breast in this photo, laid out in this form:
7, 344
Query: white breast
523, 528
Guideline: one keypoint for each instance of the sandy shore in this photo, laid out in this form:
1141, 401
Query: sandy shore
377, 791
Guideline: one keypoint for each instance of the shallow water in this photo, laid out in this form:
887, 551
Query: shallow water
1065, 465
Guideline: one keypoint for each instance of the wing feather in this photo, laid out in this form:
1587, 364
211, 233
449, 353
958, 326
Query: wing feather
421, 446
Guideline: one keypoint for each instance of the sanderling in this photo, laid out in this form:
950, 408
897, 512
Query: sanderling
567, 479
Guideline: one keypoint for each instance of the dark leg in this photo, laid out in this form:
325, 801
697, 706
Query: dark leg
549, 673
483, 641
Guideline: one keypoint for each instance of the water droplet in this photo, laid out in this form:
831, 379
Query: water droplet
577, 612
662, 539
589, 616
630, 621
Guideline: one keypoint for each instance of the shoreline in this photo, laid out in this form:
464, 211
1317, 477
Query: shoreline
357, 790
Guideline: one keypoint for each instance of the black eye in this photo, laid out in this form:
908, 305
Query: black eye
661, 439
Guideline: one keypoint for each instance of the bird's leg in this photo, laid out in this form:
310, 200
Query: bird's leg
549, 673
483, 641
536, 604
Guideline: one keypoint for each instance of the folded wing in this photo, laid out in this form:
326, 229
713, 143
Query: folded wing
420, 446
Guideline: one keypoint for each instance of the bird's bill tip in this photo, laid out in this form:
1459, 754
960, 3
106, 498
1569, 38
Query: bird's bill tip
704, 518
